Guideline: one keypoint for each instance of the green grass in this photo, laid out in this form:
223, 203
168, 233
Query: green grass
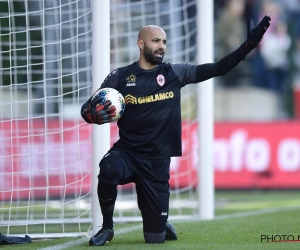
229, 233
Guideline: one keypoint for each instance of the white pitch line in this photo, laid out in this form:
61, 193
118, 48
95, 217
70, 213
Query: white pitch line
255, 212
83, 240
133, 228
66, 244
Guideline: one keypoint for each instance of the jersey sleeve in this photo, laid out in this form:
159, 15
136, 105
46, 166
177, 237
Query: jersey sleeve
220, 68
112, 80
186, 72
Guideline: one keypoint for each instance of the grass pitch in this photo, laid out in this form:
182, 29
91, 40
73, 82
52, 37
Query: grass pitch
243, 221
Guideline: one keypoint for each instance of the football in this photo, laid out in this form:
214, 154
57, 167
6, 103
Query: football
116, 99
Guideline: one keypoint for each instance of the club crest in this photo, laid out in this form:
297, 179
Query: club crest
160, 80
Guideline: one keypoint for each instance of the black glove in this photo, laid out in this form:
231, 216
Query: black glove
254, 35
98, 113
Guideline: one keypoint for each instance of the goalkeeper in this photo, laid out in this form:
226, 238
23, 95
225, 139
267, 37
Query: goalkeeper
150, 129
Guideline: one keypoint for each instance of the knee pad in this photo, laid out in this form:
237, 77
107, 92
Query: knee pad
109, 171
155, 238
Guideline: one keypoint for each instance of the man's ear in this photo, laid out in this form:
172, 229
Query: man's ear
140, 43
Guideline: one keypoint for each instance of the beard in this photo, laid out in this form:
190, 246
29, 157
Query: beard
150, 57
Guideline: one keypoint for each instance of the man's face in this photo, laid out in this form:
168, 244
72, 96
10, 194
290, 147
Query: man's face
155, 46
153, 56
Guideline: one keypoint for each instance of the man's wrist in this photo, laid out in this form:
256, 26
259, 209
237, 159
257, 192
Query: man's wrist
246, 48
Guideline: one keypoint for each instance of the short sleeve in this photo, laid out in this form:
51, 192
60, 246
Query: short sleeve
186, 72
112, 80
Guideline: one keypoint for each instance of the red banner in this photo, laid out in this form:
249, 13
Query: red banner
39, 160
246, 155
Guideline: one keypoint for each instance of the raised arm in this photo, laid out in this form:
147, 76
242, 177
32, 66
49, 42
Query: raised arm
222, 67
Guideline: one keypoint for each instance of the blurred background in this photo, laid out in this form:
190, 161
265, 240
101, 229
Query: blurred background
269, 77
45, 77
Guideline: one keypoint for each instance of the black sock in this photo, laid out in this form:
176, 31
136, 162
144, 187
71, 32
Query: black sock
107, 195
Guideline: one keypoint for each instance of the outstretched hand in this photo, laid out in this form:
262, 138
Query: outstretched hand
254, 35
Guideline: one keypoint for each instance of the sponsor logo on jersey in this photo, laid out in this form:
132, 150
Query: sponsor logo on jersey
150, 98
131, 80
164, 213
160, 80
130, 84
130, 99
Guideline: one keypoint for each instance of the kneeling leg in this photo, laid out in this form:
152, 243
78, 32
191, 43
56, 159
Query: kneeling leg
154, 231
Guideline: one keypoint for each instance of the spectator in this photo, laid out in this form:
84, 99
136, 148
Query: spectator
230, 32
296, 58
258, 64
274, 50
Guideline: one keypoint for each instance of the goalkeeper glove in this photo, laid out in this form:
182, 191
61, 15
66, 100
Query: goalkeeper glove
98, 113
254, 35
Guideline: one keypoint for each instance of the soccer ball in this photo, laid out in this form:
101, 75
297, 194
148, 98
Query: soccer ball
116, 99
